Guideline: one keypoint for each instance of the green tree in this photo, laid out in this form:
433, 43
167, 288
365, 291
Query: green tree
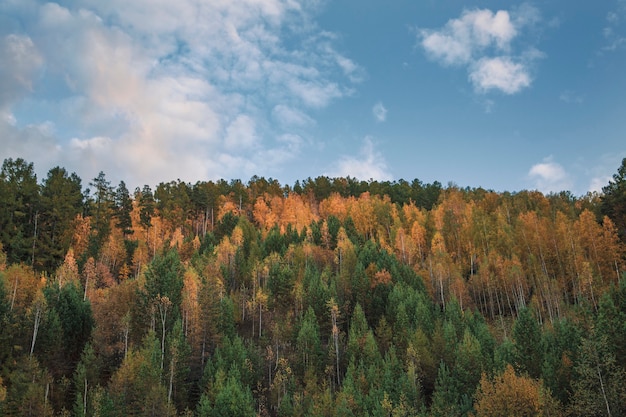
19, 210
527, 347
468, 364
613, 200
76, 322
231, 398
102, 209
561, 344
308, 341
86, 379
135, 388
123, 209
598, 389
61, 202
146, 206
164, 278
611, 321
28, 390
447, 400
178, 367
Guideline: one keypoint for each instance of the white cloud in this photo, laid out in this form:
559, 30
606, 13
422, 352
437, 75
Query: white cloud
369, 164
151, 90
549, 176
460, 39
499, 73
19, 64
482, 42
598, 183
601, 170
614, 32
288, 116
571, 97
380, 112
241, 134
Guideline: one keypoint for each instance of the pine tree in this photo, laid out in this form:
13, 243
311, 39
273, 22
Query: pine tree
123, 208
613, 200
527, 347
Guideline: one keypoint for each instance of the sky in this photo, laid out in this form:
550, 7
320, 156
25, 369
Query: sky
507, 96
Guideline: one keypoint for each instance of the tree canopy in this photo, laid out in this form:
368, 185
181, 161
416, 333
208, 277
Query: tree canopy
330, 297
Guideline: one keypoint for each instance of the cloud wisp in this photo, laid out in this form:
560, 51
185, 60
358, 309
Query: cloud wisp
613, 31
549, 176
482, 42
369, 164
380, 112
157, 90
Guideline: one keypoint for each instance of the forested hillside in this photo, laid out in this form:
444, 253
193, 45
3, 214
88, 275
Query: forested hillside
331, 297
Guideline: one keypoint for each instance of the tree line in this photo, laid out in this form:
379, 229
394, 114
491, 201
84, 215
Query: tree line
330, 297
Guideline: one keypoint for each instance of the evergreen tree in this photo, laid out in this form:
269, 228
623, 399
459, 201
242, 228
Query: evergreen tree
146, 206
19, 210
613, 200
177, 369
102, 211
308, 342
561, 345
527, 347
61, 202
123, 208
86, 379
447, 400
230, 398
598, 389
164, 278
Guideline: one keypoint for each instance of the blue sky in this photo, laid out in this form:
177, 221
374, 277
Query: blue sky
501, 95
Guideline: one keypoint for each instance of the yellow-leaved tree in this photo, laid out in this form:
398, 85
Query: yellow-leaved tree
508, 394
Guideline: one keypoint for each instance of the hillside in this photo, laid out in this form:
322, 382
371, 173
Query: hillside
330, 297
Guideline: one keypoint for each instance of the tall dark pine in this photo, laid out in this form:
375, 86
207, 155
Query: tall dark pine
19, 210
146, 206
102, 211
123, 208
613, 200
61, 202
527, 348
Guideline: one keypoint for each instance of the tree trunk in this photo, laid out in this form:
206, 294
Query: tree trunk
35, 329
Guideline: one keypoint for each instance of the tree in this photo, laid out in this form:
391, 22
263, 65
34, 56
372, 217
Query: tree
561, 344
19, 210
164, 278
86, 378
123, 208
146, 206
516, 396
102, 209
468, 364
598, 389
447, 400
61, 202
308, 341
232, 399
135, 387
528, 350
178, 368
613, 200
28, 390
65, 329
334, 315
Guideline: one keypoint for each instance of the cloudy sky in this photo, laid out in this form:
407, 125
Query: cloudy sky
502, 95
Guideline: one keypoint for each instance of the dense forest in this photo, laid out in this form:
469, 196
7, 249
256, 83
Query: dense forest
331, 297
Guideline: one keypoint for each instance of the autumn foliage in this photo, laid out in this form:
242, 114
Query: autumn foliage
331, 297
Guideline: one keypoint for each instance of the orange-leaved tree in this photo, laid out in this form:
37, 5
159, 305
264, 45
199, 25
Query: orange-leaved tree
508, 394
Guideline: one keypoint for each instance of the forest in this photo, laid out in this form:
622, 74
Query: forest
329, 297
